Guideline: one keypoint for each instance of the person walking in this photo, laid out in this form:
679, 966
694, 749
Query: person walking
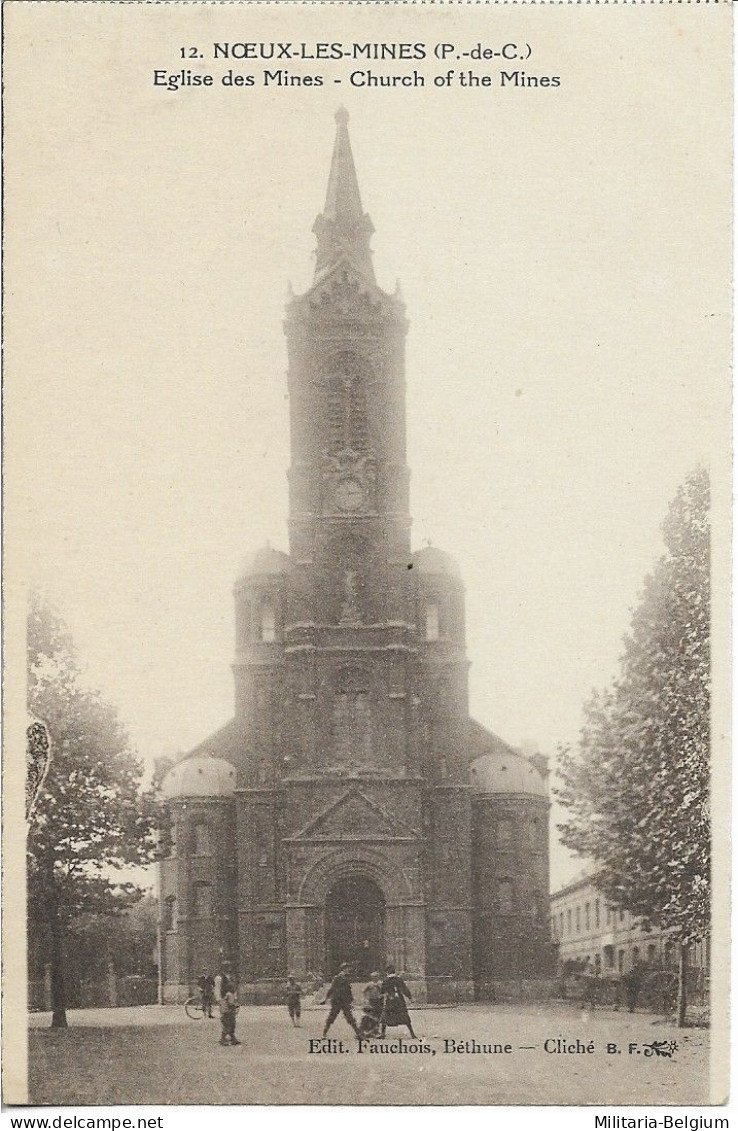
228, 1011
394, 992
341, 1000
293, 993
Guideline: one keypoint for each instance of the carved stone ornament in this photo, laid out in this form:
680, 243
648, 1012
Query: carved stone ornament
349, 481
350, 614
345, 292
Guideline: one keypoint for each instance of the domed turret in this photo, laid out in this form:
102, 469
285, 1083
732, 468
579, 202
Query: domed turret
261, 595
266, 562
200, 776
440, 596
506, 773
510, 860
432, 560
198, 859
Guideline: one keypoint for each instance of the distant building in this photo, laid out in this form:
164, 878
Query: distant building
352, 811
584, 926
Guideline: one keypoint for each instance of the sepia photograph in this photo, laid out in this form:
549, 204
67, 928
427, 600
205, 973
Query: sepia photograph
367, 459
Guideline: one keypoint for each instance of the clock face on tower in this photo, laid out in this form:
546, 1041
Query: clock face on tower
349, 495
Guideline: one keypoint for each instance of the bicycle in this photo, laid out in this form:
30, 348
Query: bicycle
195, 1007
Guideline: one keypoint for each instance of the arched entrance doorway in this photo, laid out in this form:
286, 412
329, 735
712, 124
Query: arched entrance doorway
354, 926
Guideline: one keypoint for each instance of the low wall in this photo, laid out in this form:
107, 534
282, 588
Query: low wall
101, 993
516, 989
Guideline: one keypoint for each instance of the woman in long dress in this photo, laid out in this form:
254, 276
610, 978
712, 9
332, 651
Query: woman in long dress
394, 992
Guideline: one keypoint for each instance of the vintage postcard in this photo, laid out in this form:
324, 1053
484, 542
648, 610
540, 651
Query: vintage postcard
367, 579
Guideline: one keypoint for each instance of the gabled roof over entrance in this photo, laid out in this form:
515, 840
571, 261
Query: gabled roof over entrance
353, 816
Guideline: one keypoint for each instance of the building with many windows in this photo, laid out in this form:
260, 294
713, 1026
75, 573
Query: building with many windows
587, 929
351, 810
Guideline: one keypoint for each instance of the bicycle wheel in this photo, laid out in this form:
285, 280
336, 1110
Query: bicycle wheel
193, 1008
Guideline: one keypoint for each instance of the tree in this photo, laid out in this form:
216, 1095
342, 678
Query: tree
90, 819
126, 938
637, 784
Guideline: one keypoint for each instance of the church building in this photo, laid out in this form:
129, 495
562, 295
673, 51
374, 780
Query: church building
352, 811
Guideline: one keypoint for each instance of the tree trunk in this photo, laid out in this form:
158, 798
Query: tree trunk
682, 995
58, 984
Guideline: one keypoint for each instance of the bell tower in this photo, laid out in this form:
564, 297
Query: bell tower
351, 674
352, 597
349, 511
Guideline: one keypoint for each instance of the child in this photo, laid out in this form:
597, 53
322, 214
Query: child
292, 997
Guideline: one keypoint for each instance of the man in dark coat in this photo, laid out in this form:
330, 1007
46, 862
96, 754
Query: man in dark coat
633, 982
292, 994
394, 992
341, 999
206, 985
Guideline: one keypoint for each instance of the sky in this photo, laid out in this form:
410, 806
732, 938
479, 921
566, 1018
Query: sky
564, 260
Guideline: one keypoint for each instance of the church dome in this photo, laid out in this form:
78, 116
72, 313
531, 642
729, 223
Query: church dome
266, 561
432, 560
506, 773
200, 776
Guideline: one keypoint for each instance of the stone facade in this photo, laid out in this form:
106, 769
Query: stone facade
353, 830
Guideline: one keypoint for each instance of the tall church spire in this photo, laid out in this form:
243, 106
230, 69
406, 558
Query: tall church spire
342, 201
343, 228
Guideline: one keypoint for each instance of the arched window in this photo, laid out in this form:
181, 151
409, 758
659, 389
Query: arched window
358, 426
504, 832
201, 845
578, 917
432, 621
586, 916
352, 718
170, 914
347, 414
202, 901
597, 913
505, 897
621, 961
267, 623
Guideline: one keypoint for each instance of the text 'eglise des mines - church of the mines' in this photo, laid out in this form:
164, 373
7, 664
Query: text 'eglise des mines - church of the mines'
352, 810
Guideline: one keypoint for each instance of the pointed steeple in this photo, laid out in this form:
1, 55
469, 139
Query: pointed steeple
342, 200
343, 228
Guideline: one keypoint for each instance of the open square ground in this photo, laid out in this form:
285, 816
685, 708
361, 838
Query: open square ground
156, 1055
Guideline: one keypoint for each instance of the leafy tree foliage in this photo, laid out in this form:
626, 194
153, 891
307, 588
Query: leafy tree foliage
637, 784
90, 817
